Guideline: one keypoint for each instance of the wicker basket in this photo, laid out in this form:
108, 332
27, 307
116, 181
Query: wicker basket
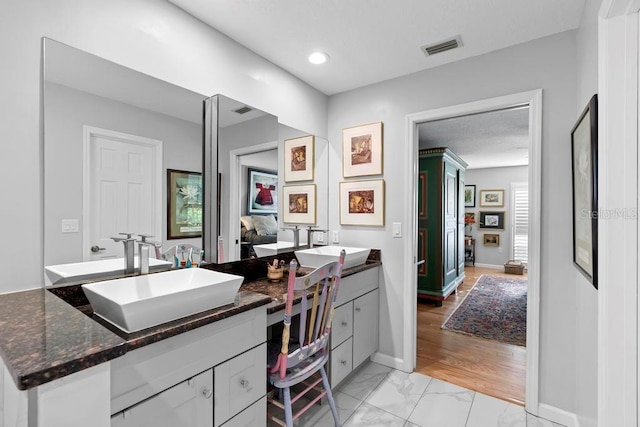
514, 267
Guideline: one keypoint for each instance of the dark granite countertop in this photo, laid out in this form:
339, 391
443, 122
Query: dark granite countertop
277, 290
50, 333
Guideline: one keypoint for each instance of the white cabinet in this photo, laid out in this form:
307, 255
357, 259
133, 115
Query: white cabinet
188, 404
354, 334
365, 326
240, 382
254, 416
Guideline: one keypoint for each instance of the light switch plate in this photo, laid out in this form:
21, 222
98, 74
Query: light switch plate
70, 226
397, 229
336, 236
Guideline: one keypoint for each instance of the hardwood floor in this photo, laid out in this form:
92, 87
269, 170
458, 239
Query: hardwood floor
482, 365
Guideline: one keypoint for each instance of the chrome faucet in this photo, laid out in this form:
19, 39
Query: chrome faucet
143, 252
129, 251
296, 235
310, 230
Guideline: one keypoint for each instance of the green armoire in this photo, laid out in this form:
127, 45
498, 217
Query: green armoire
440, 223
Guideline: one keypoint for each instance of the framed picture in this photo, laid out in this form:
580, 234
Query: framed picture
469, 196
184, 204
491, 239
492, 220
362, 202
492, 198
584, 166
299, 204
362, 150
262, 190
298, 159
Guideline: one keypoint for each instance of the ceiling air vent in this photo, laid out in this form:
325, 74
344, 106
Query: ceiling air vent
443, 46
243, 110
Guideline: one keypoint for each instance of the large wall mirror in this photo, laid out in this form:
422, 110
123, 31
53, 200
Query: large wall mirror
98, 113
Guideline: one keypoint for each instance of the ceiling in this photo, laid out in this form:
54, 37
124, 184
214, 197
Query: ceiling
369, 41
494, 139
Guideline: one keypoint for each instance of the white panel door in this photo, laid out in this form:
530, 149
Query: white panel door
121, 190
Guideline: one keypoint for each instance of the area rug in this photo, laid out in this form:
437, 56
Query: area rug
495, 308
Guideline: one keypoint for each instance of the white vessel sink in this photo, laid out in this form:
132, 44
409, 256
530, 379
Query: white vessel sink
271, 248
320, 255
63, 273
139, 302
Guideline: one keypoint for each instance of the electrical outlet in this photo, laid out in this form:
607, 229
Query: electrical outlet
320, 237
335, 236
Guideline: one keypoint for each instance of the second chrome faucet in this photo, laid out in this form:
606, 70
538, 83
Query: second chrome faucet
129, 251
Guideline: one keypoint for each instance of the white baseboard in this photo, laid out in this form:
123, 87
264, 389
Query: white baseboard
495, 267
386, 360
557, 415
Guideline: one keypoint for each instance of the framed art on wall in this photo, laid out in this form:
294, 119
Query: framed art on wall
584, 166
262, 189
469, 196
492, 198
362, 202
492, 220
362, 150
184, 204
491, 239
298, 159
299, 204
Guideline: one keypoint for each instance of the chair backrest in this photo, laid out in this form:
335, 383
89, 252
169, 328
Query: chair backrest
323, 283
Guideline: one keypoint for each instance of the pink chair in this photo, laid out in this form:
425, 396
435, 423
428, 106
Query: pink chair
298, 361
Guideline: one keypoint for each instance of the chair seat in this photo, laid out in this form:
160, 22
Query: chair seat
301, 372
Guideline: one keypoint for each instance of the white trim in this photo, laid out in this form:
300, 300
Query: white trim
534, 100
618, 299
558, 416
386, 360
234, 196
156, 197
491, 266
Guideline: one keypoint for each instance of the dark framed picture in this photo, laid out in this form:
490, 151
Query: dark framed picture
491, 239
584, 167
492, 220
469, 196
263, 191
184, 204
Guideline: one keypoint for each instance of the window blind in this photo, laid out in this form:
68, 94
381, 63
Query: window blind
520, 234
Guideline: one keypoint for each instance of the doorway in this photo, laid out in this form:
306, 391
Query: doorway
533, 100
122, 190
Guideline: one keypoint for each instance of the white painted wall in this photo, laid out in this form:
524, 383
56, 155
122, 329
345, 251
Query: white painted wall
586, 350
150, 36
547, 63
494, 179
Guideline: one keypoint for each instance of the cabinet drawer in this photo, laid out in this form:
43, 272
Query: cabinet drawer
341, 362
342, 325
355, 285
239, 382
254, 416
188, 404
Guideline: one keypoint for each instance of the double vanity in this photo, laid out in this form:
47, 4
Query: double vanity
64, 365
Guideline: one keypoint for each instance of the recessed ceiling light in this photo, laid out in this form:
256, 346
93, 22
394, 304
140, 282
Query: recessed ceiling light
318, 58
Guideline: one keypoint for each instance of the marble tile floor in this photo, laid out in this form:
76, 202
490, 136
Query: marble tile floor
380, 396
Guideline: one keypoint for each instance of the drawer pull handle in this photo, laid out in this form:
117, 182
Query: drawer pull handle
244, 383
357, 308
207, 393
343, 323
344, 362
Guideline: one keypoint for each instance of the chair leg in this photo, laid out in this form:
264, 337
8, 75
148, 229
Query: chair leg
332, 404
288, 410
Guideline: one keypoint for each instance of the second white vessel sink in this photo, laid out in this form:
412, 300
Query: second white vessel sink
140, 302
320, 255
271, 248
64, 273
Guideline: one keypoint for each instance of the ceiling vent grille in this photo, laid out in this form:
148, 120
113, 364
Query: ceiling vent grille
443, 46
243, 110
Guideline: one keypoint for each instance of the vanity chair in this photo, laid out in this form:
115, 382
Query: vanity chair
182, 252
301, 357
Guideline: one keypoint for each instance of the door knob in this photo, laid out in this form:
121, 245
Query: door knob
96, 248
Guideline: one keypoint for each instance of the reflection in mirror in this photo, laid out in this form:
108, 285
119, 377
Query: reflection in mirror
110, 135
